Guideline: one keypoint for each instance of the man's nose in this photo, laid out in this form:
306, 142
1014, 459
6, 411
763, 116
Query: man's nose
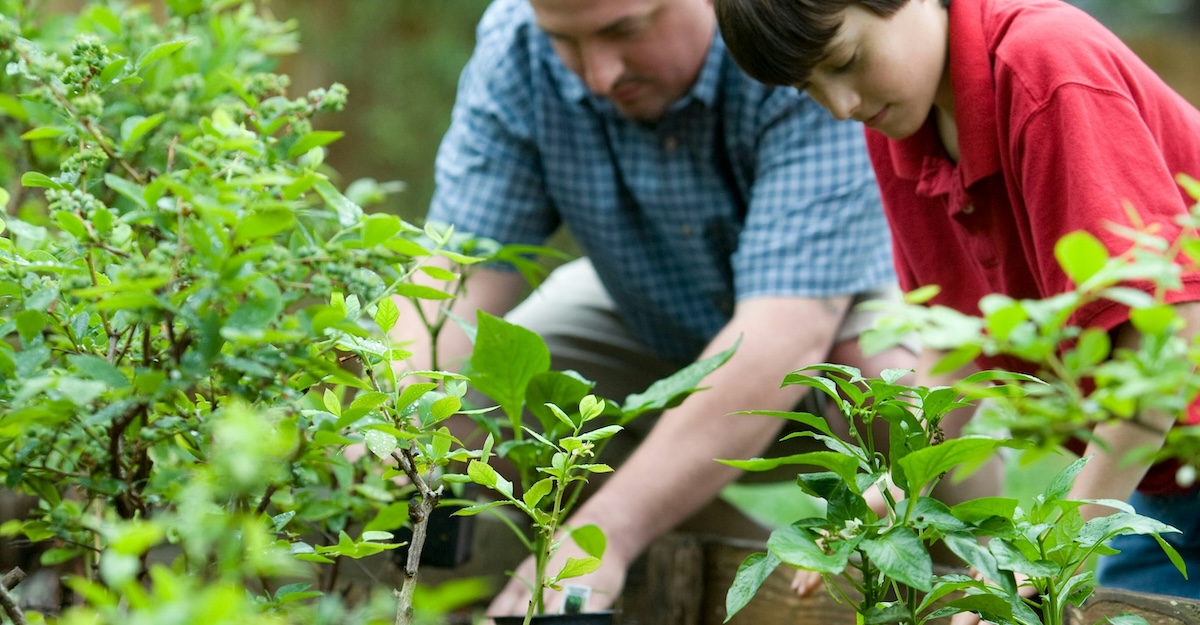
602, 66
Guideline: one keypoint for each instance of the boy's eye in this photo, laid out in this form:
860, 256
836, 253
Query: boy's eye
844, 67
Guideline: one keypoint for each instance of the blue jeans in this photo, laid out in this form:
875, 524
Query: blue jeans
1142, 565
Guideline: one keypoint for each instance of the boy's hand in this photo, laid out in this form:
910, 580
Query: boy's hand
804, 583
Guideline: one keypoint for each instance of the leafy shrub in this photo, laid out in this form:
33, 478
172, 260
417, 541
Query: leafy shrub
194, 320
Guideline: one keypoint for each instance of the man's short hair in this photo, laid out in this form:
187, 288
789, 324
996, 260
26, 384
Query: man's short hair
779, 42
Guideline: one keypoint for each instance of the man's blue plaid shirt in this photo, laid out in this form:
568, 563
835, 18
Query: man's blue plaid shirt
741, 191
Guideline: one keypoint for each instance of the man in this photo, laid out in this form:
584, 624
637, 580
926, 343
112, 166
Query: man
709, 207
996, 128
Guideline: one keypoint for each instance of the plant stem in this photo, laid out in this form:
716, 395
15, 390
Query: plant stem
419, 517
10, 606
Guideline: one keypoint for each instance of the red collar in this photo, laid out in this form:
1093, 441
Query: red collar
971, 78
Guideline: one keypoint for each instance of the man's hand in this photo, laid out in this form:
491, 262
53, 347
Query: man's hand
606, 583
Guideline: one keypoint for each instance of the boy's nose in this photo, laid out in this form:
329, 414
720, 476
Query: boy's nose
842, 102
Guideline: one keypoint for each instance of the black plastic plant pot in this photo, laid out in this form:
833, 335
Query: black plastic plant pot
606, 617
447, 542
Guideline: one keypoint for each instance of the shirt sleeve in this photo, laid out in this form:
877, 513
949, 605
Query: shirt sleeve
1084, 156
488, 170
814, 226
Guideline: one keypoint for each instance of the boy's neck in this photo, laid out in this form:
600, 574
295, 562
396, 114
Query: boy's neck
947, 131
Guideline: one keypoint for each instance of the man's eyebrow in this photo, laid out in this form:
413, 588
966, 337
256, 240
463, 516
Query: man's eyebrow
608, 29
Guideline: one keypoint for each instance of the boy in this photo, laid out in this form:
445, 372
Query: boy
995, 128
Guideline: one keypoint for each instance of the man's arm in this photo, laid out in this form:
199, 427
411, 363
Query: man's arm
672, 473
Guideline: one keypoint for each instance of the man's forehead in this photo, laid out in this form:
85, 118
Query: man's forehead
586, 17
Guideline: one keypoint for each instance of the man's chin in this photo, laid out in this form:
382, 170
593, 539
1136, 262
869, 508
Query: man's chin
641, 114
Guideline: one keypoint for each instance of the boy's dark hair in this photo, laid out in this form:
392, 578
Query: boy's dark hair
779, 42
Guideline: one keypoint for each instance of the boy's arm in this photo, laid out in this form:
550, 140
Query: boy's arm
1108, 475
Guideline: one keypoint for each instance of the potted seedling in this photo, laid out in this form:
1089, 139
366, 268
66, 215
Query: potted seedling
547, 503
553, 460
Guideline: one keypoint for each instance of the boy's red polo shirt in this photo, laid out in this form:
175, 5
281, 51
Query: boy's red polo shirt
1059, 124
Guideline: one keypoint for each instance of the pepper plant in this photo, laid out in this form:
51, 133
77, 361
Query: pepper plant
881, 557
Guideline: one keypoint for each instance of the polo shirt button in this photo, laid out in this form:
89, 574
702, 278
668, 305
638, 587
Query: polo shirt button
968, 209
670, 143
687, 230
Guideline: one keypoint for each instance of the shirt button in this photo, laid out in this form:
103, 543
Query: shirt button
968, 209
687, 230
670, 143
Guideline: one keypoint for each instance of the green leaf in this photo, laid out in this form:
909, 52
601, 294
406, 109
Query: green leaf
439, 273
4, 197
412, 393
386, 314
813, 421
590, 539
314, 139
348, 212
30, 323
136, 127
40, 180
505, 359
389, 517
380, 443
476, 509
977, 556
1126, 618
332, 403
901, 556
977, 510
750, 576
1153, 321
1100, 529
99, 369
803, 549
577, 567
112, 71
45, 132
483, 474
540, 489
261, 224
930, 513
375, 536
137, 537
1061, 484
922, 466
131, 190
844, 466
379, 227
421, 291
1009, 558
71, 224
1190, 184
160, 51
671, 391
1081, 255
599, 434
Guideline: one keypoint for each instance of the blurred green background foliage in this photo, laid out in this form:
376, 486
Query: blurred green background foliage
401, 60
